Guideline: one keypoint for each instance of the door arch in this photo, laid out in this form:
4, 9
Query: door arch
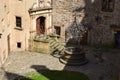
40, 25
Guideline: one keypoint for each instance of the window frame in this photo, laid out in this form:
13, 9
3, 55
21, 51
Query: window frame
19, 44
106, 6
59, 29
18, 21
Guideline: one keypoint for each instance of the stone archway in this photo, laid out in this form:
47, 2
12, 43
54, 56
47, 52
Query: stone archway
40, 25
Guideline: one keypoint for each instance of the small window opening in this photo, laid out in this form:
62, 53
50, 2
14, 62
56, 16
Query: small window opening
108, 5
18, 22
58, 30
19, 44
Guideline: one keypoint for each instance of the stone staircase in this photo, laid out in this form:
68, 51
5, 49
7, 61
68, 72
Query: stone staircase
56, 47
75, 57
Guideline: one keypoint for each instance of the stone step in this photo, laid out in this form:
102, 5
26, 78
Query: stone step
56, 45
73, 63
57, 49
73, 60
73, 57
53, 43
60, 48
53, 50
74, 53
50, 39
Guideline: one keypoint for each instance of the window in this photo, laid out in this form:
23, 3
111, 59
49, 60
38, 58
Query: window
18, 22
0, 35
108, 5
58, 30
18, 44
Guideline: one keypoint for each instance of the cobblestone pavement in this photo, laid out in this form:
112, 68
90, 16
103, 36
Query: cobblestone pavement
103, 64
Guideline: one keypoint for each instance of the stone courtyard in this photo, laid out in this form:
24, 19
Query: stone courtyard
104, 64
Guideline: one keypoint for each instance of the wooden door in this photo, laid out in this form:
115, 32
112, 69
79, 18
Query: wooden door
40, 25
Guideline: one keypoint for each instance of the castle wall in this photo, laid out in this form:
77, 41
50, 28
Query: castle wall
20, 8
64, 13
87, 11
4, 29
9, 9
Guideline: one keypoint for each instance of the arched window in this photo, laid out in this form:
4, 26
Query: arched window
108, 5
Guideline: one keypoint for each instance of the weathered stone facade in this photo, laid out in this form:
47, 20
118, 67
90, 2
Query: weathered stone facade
88, 11
64, 13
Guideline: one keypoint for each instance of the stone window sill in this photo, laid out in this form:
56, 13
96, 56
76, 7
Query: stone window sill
18, 28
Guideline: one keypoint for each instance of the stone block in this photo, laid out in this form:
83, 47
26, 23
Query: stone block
41, 47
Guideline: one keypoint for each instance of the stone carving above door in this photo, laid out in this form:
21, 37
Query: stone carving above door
41, 4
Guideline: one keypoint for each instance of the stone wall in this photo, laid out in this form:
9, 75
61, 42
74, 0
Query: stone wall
64, 13
4, 29
40, 46
88, 11
9, 9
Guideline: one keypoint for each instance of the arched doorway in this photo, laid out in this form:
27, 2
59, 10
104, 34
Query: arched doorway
40, 25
